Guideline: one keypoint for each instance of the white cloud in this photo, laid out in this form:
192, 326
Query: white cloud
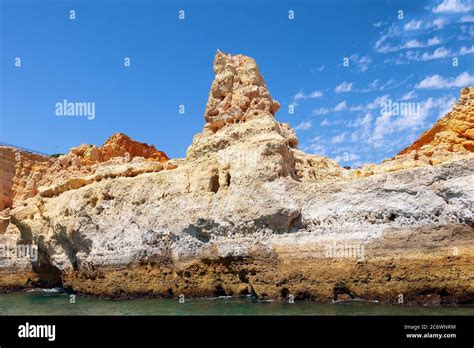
344, 87
467, 19
466, 50
361, 121
439, 53
371, 87
321, 68
301, 95
412, 25
418, 44
387, 84
338, 138
362, 62
341, 106
320, 111
374, 84
375, 104
305, 125
433, 41
387, 123
453, 6
381, 44
433, 81
379, 24
463, 80
437, 82
439, 23
409, 95
410, 44
378, 102
325, 122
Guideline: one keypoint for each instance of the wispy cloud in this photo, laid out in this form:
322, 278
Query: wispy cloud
320, 111
438, 23
466, 50
467, 19
452, 6
387, 123
302, 96
361, 62
379, 24
305, 125
438, 82
440, 52
409, 95
338, 138
319, 69
385, 47
413, 25
343, 87
341, 106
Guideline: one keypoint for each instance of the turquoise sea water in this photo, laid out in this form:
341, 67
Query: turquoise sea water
55, 303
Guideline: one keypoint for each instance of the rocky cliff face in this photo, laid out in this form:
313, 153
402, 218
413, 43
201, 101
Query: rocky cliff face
247, 213
118, 145
26, 175
450, 139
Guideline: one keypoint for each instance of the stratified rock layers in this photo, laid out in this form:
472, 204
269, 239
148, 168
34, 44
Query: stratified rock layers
248, 213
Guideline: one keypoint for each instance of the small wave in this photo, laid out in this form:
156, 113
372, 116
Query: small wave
355, 300
47, 290
220, 297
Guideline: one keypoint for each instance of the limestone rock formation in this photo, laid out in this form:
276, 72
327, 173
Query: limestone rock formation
238, 92
246, 212
26, 175
118, 145
450, 139
451, 135
20, 174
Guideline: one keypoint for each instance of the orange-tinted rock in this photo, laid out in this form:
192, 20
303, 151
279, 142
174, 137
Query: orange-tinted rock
450, 139
20, 173
454, 133
24, 175
118, 145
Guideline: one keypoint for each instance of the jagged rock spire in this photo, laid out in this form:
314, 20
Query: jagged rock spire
238, 92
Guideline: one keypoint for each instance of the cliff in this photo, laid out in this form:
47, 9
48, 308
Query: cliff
450, 139
246, 212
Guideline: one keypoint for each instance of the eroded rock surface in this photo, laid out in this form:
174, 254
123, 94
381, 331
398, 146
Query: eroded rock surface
450, 139
118, 145
238, 92
246, 212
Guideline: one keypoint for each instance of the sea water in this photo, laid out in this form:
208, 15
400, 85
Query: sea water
53, 302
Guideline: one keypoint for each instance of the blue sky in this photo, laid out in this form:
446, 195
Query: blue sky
421, 56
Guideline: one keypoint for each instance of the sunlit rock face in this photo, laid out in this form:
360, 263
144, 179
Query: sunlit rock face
451, 136
238, 92
246, 212
118, 145
450, 139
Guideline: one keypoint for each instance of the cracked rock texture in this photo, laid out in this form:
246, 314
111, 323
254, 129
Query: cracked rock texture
246, 212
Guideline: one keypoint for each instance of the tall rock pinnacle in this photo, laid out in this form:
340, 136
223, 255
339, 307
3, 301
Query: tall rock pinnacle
238, 92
